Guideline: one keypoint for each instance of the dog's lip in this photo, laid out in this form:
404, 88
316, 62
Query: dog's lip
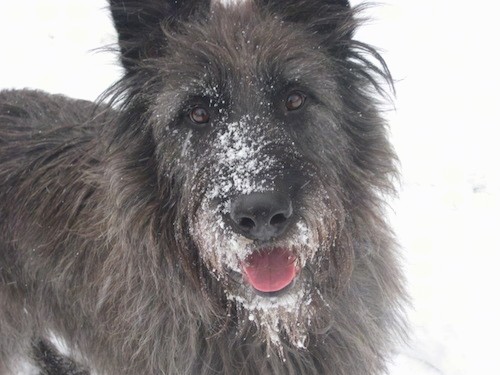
270, 270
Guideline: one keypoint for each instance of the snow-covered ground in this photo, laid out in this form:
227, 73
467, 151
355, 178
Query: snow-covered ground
444, 56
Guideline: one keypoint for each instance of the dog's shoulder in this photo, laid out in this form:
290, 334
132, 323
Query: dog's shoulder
42, 111
41, 131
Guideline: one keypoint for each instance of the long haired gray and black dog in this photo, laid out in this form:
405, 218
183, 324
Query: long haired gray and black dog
223, 215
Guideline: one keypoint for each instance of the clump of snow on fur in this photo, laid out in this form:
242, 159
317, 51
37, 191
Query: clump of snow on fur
227, 3
282, 314
240, 159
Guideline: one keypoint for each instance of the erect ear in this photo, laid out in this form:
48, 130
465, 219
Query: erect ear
140, 25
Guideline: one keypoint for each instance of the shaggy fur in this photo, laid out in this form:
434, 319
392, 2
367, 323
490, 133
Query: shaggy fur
114, 228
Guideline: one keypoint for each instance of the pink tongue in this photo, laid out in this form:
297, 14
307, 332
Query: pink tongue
270, 271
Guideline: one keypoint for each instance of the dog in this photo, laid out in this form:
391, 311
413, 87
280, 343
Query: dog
222, 212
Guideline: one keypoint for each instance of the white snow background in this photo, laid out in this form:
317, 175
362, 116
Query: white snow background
444, 55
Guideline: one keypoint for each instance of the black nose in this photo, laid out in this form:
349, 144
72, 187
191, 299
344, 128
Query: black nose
261, 216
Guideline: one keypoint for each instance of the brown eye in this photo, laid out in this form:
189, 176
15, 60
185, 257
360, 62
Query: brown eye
199, 115
295, 100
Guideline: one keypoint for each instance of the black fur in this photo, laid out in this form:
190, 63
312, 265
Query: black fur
114, 227
51, 362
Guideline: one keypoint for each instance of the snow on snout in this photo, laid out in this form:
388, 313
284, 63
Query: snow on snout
240, 161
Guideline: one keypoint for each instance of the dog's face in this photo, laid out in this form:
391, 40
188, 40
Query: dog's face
248, 116
254, 119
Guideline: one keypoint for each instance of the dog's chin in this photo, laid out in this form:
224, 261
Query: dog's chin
283, 314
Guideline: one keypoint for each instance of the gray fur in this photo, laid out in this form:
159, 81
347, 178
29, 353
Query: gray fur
105, 231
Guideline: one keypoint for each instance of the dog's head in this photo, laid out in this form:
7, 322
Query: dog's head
266, 141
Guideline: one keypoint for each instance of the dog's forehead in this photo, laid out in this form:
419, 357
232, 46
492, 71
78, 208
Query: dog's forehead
240, 45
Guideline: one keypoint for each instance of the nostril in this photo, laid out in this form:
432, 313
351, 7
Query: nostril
246, 223
278, 219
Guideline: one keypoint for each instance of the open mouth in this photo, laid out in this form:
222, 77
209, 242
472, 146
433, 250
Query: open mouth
270, 270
